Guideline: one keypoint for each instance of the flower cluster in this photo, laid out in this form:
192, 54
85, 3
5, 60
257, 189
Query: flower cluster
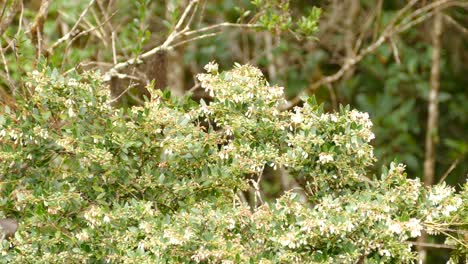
161, 182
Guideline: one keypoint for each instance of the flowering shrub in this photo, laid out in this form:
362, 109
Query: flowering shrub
159, 183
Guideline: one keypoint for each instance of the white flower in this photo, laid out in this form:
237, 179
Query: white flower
361, 118
450, 208
206, 110
370, 136
141, 245
106, 219
354, 115
439, 193
349, 226
297, 117
273, 165
223, 155
385, 253
211, 67
324, 117
414, 227
173, 239
288, 240
82, 236
229, 131
145, 226
72, 82
168, 151
395, 227
69, 102
232, 224
325, 158
188, 234
71, 113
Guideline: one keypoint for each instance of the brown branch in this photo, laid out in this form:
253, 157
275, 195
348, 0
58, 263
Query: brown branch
219, 26
391, 29
178, 32
165, 46
432, 118
430, 245
209, 35
73, 30
433, 109
37, 26
79, 34
449, 170
5, 22
456, 25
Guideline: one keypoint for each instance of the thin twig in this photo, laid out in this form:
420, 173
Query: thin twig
101, 30
5, 64
39, 44
69, 43
218, 26
14, 8
166, 45
433, 109
184, 15
400, 13
189, 22
20, 23
433, 114
37, 27
430, 245
333, 96
177, 32
457, 25
388, 32
91, 29
175, 45
449, 170
3, 10
114, 53
73, 30
122, 93
38, 23
194, 88
395, 51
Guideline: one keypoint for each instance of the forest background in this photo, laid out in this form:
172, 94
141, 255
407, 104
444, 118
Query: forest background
403, 62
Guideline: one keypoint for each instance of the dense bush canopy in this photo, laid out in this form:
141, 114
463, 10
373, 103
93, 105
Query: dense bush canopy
114, 149
161, 182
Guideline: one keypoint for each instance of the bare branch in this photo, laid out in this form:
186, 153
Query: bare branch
388, 32
73, 30
184, 15
5, 22
37, 27
433, 114
433, 109
457, 25
114, 53
170, 43
395, 51
430, 245
218, 26
195, 38
449, 170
